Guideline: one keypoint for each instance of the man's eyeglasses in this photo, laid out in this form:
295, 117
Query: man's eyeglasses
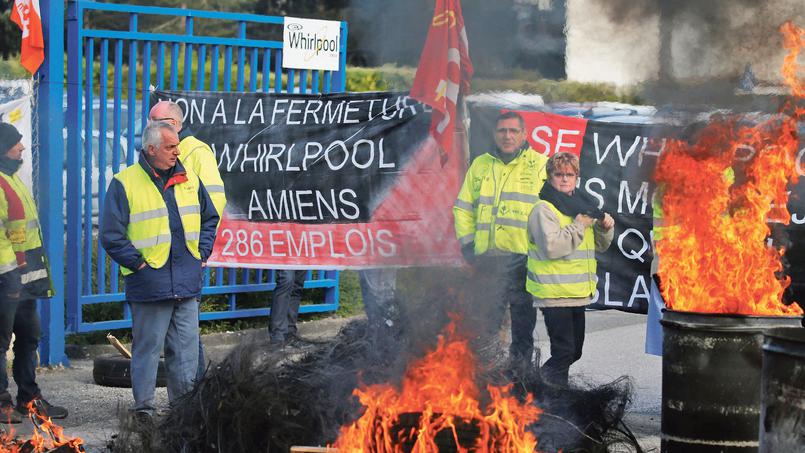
564, 175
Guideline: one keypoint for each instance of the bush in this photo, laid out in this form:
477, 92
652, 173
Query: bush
396, 78
12, 69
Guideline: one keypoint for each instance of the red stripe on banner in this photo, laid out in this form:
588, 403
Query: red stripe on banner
549, 133
412, 226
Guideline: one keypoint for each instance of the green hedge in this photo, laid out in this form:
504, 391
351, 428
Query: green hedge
400, 78
12, 69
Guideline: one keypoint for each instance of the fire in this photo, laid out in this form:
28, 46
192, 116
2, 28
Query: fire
714, 257
47, 436
441, 387
793, 41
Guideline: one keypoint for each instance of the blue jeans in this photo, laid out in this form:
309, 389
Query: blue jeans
285, 305
378, 289
171, 325
21, 318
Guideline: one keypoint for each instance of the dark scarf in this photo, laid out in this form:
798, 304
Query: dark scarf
9, 166
579, 202
508, 157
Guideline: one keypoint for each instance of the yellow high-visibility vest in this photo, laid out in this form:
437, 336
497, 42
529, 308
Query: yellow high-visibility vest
149, 226
32, 238
570, 276
198, 157
26, 237
8, 259
494, 202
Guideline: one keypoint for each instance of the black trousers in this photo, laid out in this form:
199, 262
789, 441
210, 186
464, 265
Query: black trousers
509, 275
21, 318
565, 327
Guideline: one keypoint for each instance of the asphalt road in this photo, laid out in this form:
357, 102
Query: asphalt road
613, 347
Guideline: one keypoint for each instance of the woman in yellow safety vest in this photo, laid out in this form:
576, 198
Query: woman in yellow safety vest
565, 230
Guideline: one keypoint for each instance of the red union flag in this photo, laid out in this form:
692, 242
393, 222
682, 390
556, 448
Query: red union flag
444, 70
26, 14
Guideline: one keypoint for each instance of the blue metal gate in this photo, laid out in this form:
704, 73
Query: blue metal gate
107, 106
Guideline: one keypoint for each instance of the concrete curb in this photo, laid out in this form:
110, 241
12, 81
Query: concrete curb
311, 329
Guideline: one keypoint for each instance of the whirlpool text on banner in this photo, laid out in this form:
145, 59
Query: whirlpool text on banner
326, 181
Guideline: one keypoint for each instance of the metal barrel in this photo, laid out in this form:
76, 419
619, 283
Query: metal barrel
711, 380
782, 411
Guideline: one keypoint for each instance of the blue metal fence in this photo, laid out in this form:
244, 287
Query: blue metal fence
96, 59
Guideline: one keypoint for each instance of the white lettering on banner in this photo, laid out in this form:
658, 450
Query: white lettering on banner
219, 112
306, 111
257, 113
639, 291
600, 182
616, 142
304, 205
237, 112
633, 254
800, 158
647, 150
349, 109
641, 195
312, 112
308, 244
241, 243
294, 111
257, 157
560, 143
199, 113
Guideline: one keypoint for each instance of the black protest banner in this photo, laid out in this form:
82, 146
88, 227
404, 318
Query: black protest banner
617, 165
339, 180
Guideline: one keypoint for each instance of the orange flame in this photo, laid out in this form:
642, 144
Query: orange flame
45, 437
793, 40
714, 257
441, 387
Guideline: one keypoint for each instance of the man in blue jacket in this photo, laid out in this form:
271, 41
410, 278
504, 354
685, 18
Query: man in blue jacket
159, 225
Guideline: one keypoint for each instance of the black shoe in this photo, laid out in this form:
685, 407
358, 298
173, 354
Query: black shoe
144, 419
8, 413
43, 408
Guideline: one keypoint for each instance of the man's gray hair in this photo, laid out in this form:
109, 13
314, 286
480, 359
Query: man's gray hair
152, 134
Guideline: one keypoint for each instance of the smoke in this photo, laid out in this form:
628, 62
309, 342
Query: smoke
504, 35
261, 399
706, 47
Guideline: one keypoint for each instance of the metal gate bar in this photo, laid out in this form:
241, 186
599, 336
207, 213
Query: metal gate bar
91, 277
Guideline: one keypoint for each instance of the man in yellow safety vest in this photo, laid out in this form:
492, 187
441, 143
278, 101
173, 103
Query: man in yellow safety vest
24, 277
491, 218
159, 225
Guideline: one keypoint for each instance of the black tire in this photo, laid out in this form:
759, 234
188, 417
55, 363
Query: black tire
114, 370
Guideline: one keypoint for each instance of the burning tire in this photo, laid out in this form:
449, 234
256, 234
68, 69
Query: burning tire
113, 370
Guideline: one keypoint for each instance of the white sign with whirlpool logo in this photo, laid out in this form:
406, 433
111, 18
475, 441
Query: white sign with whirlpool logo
311, 44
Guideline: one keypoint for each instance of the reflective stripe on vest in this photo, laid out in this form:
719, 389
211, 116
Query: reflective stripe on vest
495, 200
197, 157
149, 225
31, 238
33, 276
572, 275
